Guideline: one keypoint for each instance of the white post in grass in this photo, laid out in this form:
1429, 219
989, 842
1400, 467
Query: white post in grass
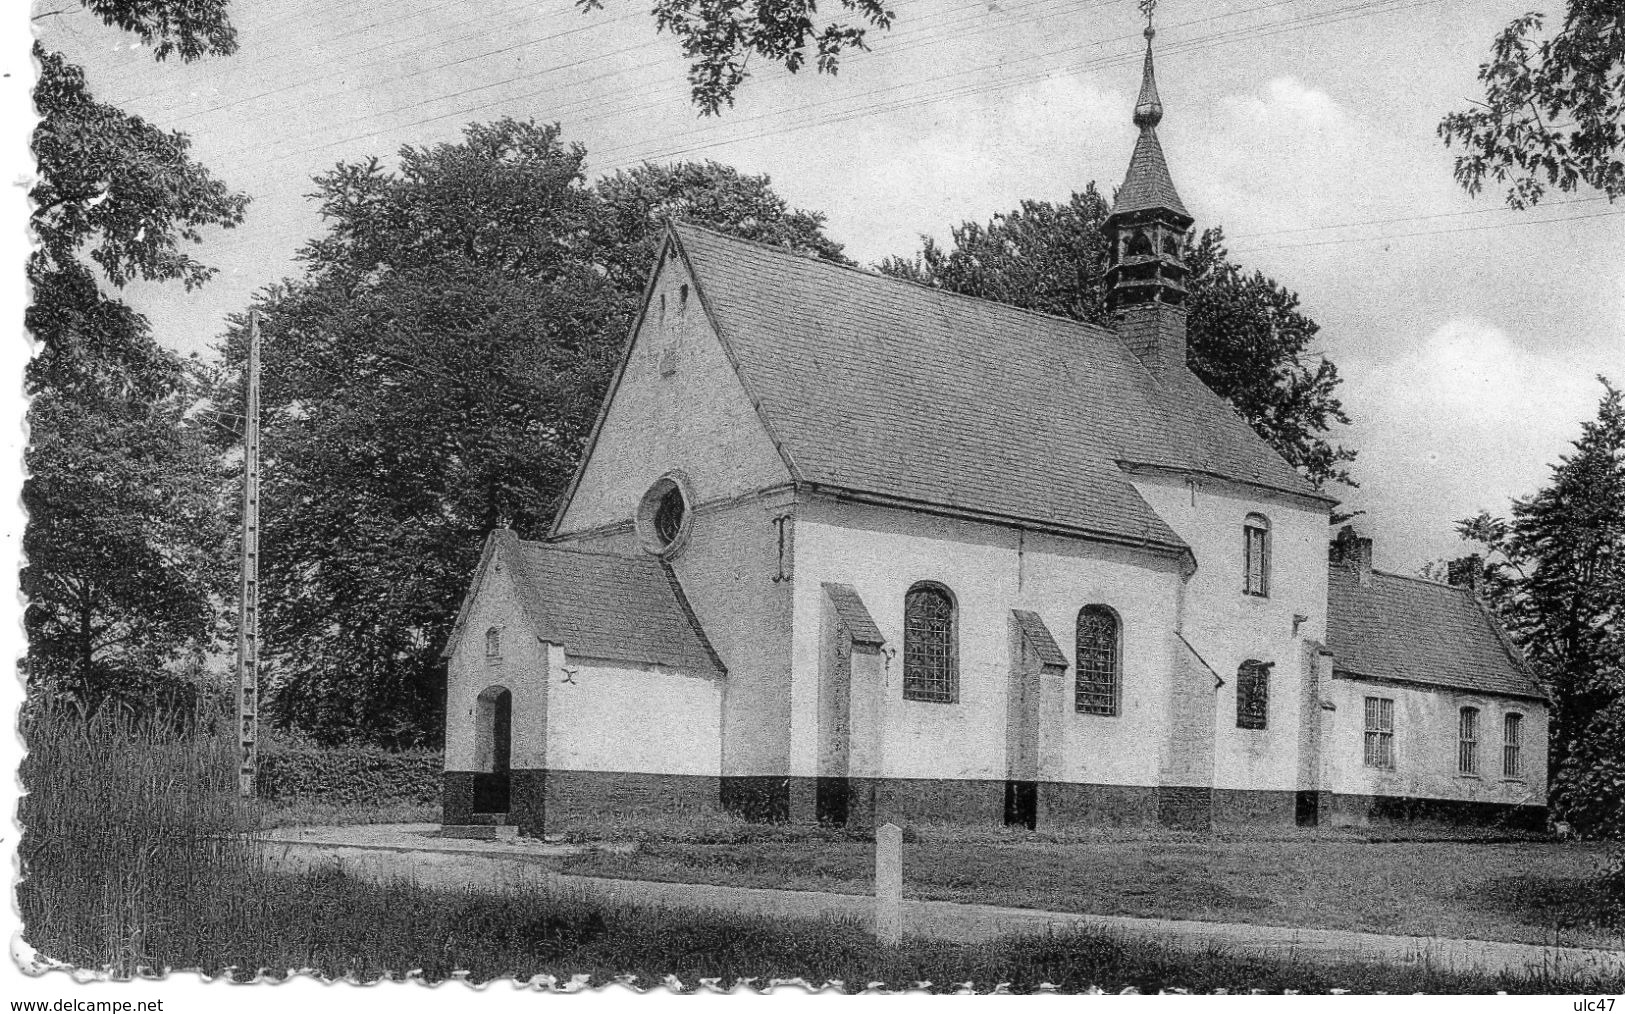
889, 884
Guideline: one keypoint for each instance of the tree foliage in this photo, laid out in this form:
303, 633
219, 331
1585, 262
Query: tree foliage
719, 37
434, 373
122, 576
190, 29
1555, 573
1248, 339
1553, 113
636, 204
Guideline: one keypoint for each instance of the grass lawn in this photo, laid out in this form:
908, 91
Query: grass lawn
1527, 891
336, 927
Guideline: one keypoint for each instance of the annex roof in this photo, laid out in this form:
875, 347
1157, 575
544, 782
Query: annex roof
1414, 631
599, 605
879, 386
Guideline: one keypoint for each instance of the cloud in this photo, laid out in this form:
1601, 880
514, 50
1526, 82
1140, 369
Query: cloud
1291, 155
1458, 423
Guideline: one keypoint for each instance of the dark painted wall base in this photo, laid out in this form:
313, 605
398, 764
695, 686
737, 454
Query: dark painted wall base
1351, 809
550, 801
1187, 808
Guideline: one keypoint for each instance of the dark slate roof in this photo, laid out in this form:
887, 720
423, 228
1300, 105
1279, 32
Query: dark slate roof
884, 387
602, 605
1148, 186
1415, 631
1037, 634
850, 608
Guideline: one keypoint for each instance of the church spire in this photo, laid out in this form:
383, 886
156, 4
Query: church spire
1148, 110
1146, 229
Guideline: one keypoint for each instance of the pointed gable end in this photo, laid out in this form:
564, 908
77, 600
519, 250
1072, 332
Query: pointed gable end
676, 403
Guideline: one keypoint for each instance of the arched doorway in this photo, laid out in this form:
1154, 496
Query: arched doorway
493, 731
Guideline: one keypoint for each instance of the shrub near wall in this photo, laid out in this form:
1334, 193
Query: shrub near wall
354, 776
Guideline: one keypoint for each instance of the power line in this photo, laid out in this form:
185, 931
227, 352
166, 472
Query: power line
1405, 218
1311, 19
1430, 232
851, 113
589, 103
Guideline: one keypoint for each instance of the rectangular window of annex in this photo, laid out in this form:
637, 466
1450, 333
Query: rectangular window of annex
1379, 733
1467, 743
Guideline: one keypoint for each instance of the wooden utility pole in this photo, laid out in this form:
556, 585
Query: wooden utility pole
248, 620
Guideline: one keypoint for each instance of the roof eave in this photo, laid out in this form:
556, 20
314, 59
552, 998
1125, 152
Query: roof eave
1131, 466
1176, 548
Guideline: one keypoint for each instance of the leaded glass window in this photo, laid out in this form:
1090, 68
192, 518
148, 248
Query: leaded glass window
1099, 661
1253, 695
930, 645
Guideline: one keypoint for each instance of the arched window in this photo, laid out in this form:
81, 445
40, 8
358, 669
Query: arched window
930, 645
1139, 245
1467, 742
1099, 660
1256, 552
493, 643
1253, 694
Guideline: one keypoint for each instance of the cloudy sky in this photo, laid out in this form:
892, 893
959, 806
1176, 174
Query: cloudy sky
1470, 335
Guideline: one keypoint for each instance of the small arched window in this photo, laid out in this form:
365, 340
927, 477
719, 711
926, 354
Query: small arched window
493, 643
930, 645
1256, 553
1467, 742
1099, 661
1139, 245
1170, 246
1253, 694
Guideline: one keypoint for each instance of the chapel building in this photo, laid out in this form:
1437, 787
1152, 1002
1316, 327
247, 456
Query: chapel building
849, 549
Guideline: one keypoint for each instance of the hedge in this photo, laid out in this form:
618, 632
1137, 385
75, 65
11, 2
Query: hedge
350, 776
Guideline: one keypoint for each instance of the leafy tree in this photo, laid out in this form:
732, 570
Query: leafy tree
434, 373
1555, 573
1042, 256
721, 37
1554, 109
191, 29
122, 544
1248, 340
638, 202
121, 578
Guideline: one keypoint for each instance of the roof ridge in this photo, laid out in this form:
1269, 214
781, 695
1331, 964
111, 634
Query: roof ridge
882, 276
1420, 580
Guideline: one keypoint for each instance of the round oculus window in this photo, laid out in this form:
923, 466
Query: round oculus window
663, 516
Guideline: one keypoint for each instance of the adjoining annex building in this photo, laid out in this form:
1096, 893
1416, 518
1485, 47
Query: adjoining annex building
850, 549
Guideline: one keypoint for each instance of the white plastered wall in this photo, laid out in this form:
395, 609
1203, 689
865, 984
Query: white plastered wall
1425, 744
623, 716
521, 667
1227, 627
991, 570
679, 406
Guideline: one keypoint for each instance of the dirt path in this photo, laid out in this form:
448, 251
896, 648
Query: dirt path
410, 852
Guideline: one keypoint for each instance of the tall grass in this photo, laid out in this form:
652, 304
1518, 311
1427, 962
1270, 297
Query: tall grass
132, 831
138, 855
